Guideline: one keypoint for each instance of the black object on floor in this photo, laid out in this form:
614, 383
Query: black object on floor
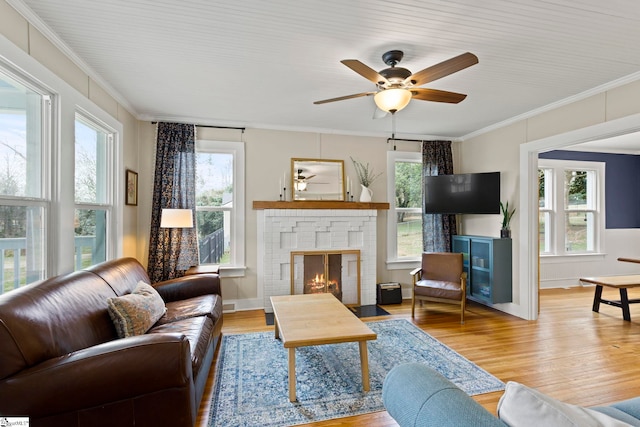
269, 318
362, 311
369, 311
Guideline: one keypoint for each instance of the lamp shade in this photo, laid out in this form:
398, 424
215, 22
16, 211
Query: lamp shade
392, 100
176, 218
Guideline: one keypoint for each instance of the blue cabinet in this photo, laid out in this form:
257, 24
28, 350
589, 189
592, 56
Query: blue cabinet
488, 264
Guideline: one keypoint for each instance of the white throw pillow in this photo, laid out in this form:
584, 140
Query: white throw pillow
521, 406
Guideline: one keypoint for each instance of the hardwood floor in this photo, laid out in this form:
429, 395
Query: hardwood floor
570, 352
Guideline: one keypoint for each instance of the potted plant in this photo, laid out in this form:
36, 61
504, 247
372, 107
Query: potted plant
366, 176
505, 231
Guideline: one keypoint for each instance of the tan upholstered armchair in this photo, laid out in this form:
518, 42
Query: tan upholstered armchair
441, 278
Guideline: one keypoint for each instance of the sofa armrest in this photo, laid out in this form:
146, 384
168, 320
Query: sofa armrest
110, 372
416, 395
189, 287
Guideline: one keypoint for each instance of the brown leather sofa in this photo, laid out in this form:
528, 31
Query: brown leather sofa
62, 363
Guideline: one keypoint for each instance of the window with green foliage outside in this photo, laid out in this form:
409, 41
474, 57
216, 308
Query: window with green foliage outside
214, 204
405, 215
570, 205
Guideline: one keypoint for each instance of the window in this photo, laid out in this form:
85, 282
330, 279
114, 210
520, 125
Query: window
404, 231
571, 207
93, 209
220, 202
25, 115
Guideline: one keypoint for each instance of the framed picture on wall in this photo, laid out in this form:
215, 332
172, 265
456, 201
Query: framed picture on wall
131, 197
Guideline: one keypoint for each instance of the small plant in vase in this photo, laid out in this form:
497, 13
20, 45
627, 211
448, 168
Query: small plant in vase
366, 176
507, 214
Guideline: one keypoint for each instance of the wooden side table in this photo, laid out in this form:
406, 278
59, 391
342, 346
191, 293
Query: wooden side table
203, 269
619, 282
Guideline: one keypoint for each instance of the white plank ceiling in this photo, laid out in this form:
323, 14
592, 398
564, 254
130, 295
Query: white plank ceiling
259, 63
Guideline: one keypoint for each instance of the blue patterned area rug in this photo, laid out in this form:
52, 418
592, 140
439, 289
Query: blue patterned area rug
251, 387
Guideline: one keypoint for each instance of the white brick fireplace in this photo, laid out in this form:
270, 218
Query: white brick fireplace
281, 231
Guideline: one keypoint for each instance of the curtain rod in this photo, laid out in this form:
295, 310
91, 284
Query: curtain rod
214, 127
402, 139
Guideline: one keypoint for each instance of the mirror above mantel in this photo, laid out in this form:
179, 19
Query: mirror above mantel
317, 179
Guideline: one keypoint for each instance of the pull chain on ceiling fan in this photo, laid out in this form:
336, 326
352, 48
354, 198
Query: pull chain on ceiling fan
397, 86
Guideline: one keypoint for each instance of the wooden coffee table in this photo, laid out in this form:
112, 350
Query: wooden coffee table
316, 319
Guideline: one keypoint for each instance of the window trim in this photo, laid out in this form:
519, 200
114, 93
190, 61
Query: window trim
237, 265
558, 209
393, 262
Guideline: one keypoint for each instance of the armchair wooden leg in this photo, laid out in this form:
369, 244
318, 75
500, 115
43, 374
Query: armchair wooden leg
413, 305
463, 305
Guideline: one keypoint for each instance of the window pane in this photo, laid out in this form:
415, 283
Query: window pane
214, 189
21, 246
213, 236
20, 140
408, 205
543, 232
90, 162
543, 184
90, 237
214, 179
409, 237
408, 185
576, 189
579, 230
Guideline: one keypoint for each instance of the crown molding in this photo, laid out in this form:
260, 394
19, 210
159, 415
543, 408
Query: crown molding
566, 101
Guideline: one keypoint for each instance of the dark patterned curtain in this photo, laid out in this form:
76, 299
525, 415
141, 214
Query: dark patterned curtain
437, 229
173, 250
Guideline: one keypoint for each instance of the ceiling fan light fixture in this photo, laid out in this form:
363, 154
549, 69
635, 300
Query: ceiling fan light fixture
392, 100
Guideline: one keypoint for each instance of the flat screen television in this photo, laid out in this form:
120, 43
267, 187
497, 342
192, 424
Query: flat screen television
469, 193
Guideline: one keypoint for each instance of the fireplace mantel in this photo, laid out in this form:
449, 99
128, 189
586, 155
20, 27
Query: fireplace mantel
315, 204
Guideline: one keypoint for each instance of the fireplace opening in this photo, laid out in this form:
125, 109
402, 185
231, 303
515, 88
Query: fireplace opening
335, 272
323, 274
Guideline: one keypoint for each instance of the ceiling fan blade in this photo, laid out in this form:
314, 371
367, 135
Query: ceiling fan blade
435, 95
365, 71
442, 69
341, 98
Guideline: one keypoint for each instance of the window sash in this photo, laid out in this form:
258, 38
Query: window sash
397, 256
562, 233
233, 211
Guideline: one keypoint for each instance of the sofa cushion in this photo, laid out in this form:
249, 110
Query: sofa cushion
135, 313
204, 305
438, 289
198, 331
521, 406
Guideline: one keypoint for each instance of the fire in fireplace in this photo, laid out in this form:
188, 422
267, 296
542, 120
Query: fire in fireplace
335, 272
323, 274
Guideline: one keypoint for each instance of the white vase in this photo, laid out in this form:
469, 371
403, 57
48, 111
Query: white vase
366, 194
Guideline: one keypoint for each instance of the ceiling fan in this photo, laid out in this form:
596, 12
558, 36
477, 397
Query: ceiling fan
300, 183
300, 177
397, 86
